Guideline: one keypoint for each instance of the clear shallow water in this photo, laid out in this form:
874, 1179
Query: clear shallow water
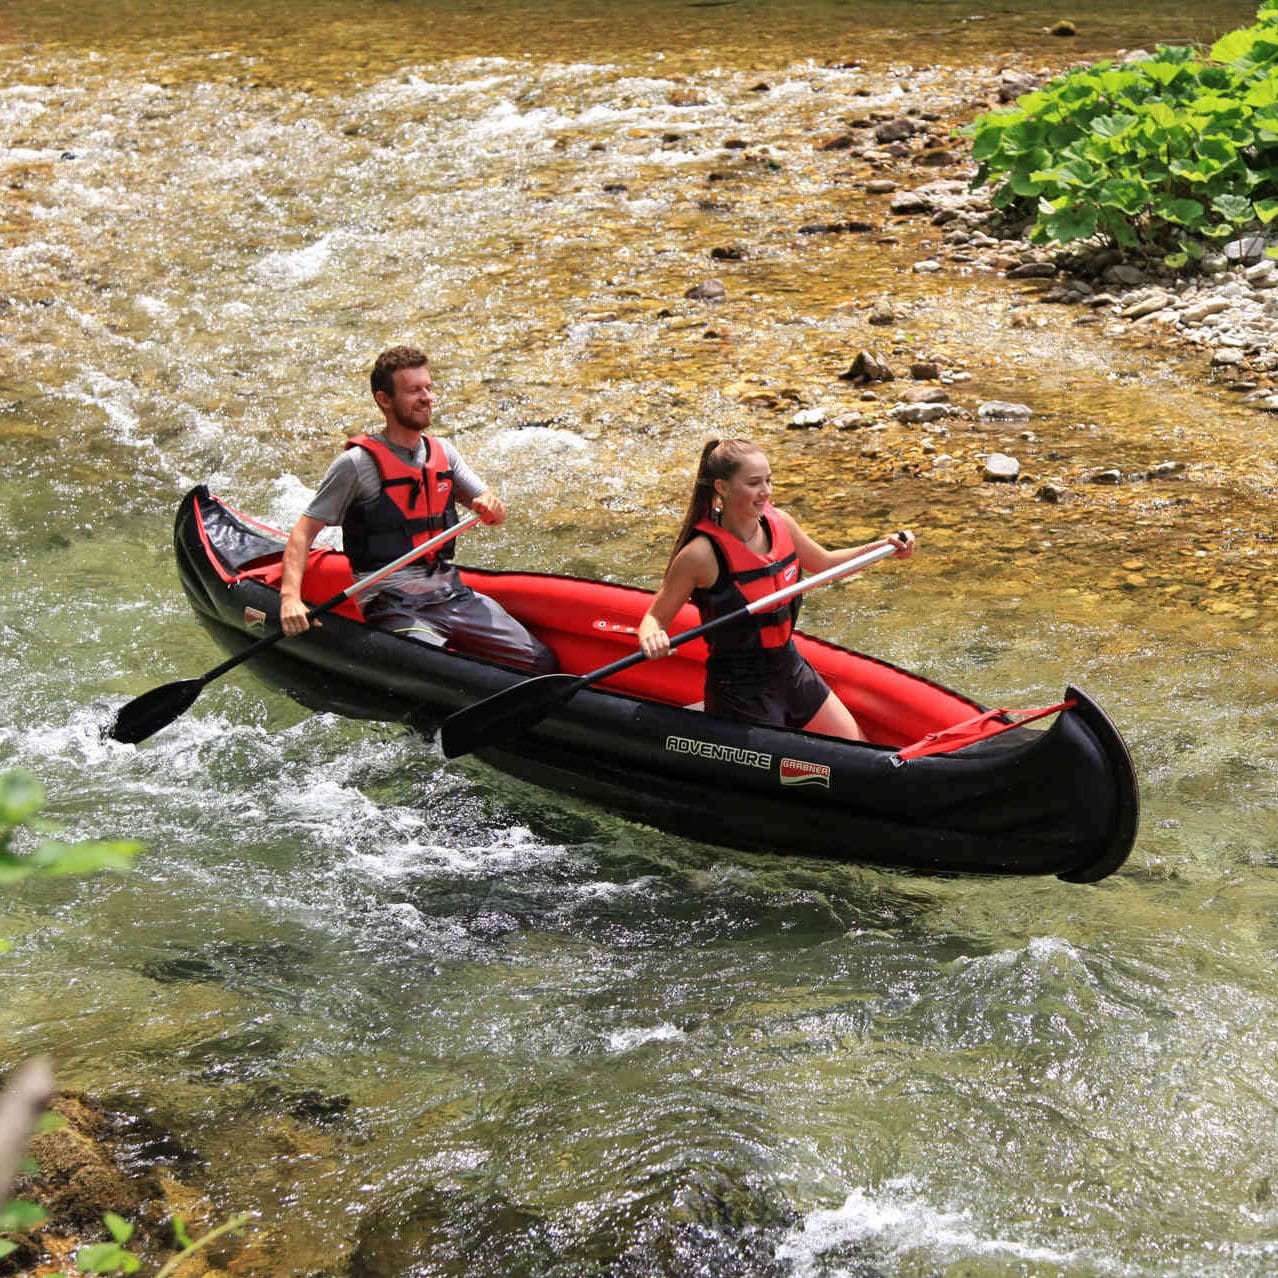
426, 1020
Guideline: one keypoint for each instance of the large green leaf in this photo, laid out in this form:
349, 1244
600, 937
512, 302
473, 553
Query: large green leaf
1266, 210
1073, 222
1129, 195
1183, 212
1237, 208
1112, 126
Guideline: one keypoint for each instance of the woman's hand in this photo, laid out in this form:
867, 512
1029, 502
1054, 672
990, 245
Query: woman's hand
904, 543
653, 640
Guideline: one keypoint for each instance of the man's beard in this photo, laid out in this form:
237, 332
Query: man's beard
408, 424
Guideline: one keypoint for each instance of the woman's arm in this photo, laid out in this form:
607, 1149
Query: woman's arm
814, 557
694, 567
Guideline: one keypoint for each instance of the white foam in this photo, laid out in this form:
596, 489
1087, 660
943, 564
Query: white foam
899, 1222
295, 266
627, 1040
538, 439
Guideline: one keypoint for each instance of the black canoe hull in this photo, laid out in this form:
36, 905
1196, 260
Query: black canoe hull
1061, 800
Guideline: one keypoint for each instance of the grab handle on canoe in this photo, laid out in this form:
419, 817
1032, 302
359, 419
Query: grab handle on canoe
521, 706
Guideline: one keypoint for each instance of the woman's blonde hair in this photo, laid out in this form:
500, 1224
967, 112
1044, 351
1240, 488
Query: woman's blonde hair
720, 459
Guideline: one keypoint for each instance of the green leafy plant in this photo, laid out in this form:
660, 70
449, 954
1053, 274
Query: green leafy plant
1166, 154
21, 799
114, 1257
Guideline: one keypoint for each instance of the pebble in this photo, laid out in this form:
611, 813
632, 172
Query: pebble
807, 418
1001, 469
997, 410
707, 291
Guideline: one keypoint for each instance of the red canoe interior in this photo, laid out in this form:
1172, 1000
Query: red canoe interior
590, 624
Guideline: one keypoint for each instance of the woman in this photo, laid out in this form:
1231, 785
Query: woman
735, 547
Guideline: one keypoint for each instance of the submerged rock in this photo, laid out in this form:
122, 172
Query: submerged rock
997, 410
707, 291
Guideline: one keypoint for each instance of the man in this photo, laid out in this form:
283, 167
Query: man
395, 489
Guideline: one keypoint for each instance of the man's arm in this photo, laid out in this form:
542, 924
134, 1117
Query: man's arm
292, 610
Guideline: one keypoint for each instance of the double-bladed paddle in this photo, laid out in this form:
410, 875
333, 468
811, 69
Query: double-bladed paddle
156, 709
517, 708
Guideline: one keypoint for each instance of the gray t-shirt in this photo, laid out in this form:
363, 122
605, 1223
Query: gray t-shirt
354, 476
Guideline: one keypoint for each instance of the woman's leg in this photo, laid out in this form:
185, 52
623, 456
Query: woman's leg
834, 719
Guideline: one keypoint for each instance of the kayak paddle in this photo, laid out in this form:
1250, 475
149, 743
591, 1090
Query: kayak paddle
156, 709
514, 709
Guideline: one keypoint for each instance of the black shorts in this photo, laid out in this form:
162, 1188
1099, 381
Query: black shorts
775, 686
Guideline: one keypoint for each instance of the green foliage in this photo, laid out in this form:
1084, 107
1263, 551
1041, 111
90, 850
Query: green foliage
21, 799
115, 1258
1162, 155
110, 1257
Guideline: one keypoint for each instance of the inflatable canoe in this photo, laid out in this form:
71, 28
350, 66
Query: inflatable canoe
944, 785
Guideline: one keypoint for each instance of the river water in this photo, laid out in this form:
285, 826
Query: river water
423, 1020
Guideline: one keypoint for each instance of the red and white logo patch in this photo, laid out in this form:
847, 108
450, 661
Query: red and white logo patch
254, 618
801, 772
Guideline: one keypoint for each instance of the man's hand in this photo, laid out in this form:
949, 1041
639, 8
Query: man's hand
490, 506
293, 618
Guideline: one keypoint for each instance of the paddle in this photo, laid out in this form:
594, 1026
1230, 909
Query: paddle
156, 709
514, 709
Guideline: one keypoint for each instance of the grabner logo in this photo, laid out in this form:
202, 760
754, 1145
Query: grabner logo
255, 618
720, 753
801, 772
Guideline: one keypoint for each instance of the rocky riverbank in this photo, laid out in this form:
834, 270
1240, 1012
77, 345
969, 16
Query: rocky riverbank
100, 1160
1227, 308
926, 409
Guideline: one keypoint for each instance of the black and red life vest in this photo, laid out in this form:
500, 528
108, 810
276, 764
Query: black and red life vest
745, 576
415, 503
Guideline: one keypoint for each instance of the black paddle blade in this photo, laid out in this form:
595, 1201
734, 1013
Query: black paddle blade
511, 710
154, 710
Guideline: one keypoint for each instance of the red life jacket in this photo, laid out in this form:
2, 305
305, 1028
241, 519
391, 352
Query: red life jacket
744, 576
415, 503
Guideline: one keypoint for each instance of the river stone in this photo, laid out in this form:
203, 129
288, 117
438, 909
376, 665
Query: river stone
1246, 249
925, 395
707, 291
1262, 274
1032, 271
868, 367
997, 410
908, 202
918, 414
1110, 476
806, 418
929, 266
897, 130
882, 313
925, 370
1051, 493
1124, 275
848, 421
1000, 469
880, 186
1196, 312
1227, 357
1147, 305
